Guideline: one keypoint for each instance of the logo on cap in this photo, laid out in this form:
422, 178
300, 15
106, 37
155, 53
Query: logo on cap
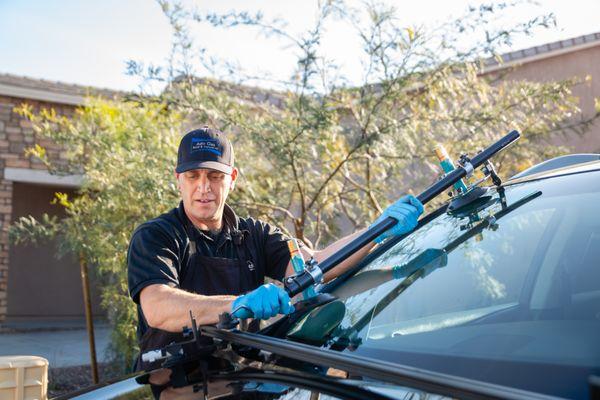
203, 144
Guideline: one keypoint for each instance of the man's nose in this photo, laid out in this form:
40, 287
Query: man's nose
204, 185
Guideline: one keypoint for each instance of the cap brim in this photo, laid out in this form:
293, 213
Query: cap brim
217, 166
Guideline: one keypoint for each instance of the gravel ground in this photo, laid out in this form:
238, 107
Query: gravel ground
68, 379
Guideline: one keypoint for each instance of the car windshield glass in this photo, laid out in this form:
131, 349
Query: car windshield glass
507, 292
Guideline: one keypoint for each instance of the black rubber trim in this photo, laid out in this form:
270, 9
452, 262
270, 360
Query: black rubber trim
331, 386
384, 371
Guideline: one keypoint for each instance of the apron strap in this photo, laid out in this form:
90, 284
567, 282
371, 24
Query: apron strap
240, 239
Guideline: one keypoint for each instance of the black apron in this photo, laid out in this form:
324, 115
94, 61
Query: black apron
208, 276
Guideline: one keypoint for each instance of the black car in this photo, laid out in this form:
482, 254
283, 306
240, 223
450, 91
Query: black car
497, 298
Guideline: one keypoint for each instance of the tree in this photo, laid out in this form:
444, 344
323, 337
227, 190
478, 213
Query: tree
318, 150
126, 152
343, 150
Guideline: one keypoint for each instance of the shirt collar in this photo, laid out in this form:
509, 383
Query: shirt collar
230, 223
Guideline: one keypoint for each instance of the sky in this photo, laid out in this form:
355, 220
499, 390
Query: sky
88, 42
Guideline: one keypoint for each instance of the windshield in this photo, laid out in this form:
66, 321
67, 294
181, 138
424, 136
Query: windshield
507, 292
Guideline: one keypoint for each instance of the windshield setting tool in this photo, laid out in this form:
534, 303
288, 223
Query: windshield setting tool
472, 210
472, 192
313, 272
421, 266
464, 194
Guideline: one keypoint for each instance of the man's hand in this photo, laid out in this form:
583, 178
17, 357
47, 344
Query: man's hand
406, 211
263, 302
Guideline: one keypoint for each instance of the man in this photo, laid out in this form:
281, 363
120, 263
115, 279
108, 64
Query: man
201, 257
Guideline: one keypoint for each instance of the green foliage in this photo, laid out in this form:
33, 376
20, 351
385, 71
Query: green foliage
127, 153
342, 151
316, 153
28, 229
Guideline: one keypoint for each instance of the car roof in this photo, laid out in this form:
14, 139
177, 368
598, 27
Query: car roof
551, 171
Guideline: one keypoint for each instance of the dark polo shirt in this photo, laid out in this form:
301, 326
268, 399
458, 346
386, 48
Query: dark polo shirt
159, 250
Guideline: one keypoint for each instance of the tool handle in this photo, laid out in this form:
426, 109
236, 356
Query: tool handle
296, 283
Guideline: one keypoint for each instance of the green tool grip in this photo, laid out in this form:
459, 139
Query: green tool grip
298, 264
448, 166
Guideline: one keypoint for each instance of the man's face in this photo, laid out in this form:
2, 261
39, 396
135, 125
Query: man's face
204, 192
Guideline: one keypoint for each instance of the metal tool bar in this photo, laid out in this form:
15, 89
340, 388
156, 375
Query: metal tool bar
297, 283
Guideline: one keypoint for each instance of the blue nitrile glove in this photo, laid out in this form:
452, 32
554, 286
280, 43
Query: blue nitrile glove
406, 211
263, 302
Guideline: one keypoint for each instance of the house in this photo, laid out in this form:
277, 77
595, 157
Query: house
564, 59
34, 283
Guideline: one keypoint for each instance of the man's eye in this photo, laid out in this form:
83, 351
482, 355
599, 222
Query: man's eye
215, 177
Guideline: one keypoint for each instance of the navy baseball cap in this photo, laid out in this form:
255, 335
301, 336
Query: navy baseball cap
205, 148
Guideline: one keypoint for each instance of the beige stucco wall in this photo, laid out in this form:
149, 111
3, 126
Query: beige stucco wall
580, 63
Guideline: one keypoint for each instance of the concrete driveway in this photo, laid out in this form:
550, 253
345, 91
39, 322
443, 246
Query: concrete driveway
62, 348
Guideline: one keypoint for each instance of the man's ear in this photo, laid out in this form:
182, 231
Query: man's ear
177, 179
234, 175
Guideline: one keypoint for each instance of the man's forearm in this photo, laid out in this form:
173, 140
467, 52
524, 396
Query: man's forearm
169, 308
349, 262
